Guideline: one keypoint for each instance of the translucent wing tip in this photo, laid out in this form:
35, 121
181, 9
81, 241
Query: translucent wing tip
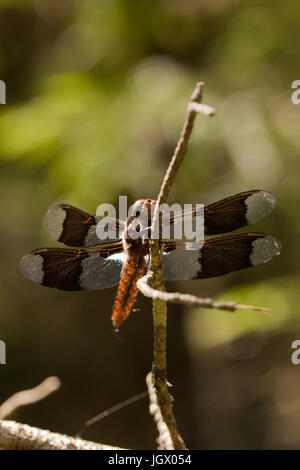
54, 221
264, 249
259, 205
31, 266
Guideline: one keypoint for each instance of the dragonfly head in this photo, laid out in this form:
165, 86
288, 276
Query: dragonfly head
143, 208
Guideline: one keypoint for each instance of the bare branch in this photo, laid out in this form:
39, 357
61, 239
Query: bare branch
181, 146
192, 300
17, 436
27, 397
112, 410
164, 440
164, 398
152, 285
201, 108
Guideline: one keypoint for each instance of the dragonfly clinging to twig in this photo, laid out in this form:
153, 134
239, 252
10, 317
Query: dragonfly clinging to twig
92, 264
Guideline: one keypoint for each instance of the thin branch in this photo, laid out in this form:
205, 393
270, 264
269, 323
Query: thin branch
144, 285
181, 146
28, 397
164, 440
159, 372
201, 108
110, 411
17, 436
152, 285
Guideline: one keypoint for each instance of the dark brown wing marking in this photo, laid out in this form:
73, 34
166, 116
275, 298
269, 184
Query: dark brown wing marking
75, 227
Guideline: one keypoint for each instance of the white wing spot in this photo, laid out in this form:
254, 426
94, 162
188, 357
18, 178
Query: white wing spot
264, 249
31, 267
54, 221
259, 205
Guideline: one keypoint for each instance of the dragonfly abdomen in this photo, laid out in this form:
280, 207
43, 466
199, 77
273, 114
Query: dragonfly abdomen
133, 269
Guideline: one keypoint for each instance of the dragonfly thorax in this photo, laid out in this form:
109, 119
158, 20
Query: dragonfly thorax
138, 227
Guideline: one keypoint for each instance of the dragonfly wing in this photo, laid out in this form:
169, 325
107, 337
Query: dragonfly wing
220, 256
74, 269
75, 227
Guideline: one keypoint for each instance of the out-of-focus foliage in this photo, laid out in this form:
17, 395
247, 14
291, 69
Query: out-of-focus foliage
96, 96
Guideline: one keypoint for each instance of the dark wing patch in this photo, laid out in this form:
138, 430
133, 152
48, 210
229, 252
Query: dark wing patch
75, 227
237, 211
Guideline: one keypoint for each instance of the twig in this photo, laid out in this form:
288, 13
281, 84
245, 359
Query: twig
164, 440
201, 108
152, 285
164, 398
111, 410
27, 397
192, 110
17, 436
144, 285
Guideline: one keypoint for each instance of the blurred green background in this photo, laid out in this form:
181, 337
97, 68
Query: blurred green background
96, 97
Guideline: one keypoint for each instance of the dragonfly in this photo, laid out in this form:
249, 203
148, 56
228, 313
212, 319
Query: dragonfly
90, 263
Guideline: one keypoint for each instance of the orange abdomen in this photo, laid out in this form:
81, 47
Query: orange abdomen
132, 271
